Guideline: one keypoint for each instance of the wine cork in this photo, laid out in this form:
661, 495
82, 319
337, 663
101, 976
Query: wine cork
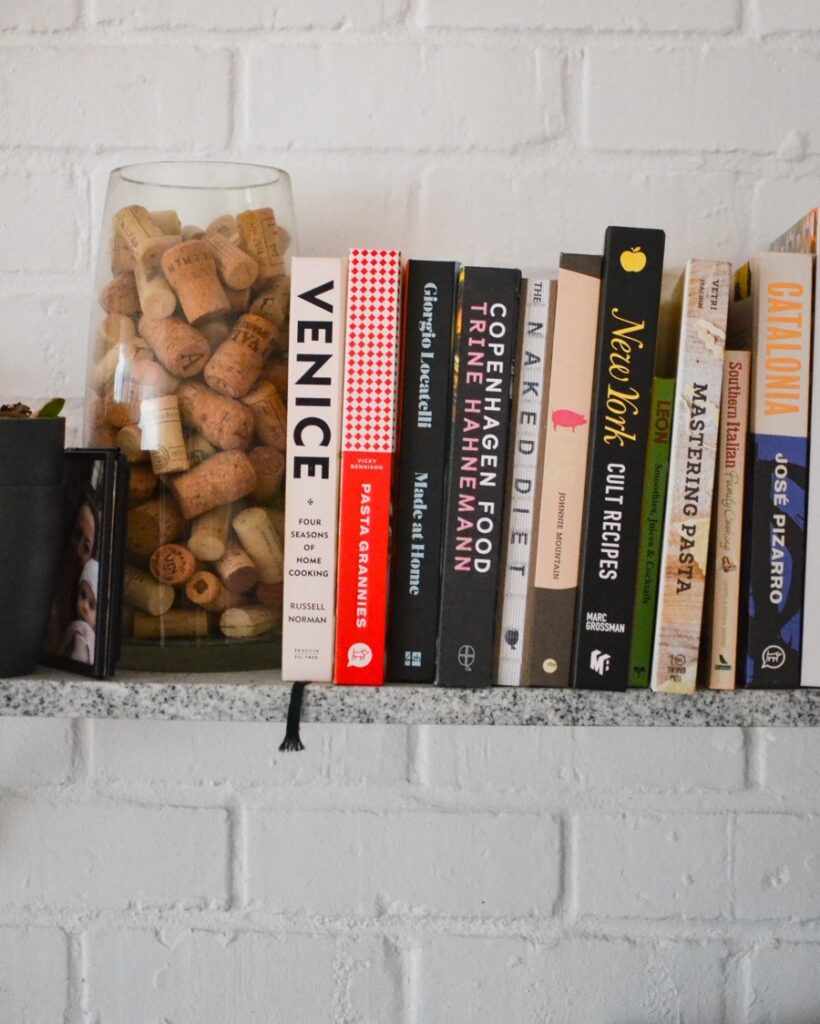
246, 621
191, 622
270, 595
167, 221
120, 295
157, 298
269, 464
199, 449
124, 411
216, 331
122, 258
152, 378
142, 482
191, 272
162, 434
146, 241
234, 367
225, 422
102, 435
239, 299
274, 303
156, 522
145, 593
119, 357
172, 564
116, 328
260, 237
203, 588
237, 570
235, 267
190, 232
225, 226
269, 414
257, 537
219, 480
209, 535
180, 348
129, 440
276, 371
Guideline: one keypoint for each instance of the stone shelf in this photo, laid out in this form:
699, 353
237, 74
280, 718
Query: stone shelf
262, 697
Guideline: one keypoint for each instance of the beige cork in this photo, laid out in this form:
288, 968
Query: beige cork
124, 411
191, 232
269, 464
216, 331
172, 564
269, 414
257, 537
209, 534
191, 622
239, 299
156, 522
161, 428
246, 622
225, 422
114, 329
117, 359
157, 297
199, 448
122, 258
237, 570
276, 371
274, 302
146, 241
144, 592
142, 482
234, 367
120, 295
260, 237
129, 440
219, 480
180, 348
167, 221
203, 588
191, 272
235, 267
226, 227
152, 378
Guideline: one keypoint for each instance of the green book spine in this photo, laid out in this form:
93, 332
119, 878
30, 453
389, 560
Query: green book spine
649, 549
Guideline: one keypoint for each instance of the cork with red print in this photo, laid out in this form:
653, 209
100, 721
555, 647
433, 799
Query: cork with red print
368, 446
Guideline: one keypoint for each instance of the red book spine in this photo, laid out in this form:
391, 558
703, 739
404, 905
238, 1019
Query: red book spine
368, 444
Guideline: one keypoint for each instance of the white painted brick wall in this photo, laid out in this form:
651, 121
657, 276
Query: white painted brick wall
190, 872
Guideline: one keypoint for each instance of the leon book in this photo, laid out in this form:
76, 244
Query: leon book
619, 430
562, 482
368, 443
315, 366
780, 285
687, 521
415, 581
486, 332
526, 453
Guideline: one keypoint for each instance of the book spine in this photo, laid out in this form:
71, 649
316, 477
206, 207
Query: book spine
627, 336
653, 506
315, 366
560, 507
429, 315
727, 547
486, 328
688, 517
368, 443
781, 310
529, 409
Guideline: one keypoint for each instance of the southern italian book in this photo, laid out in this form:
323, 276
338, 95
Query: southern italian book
780, 285
486, 332
424, 419
653, 506
368, 443
562, 483
527, 437
619, 431
315, 367
707, 286
802, 237
727, 541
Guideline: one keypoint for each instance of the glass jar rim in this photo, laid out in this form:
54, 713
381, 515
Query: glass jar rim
181, 174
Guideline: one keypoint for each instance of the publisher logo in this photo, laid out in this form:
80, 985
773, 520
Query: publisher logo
412, 659
773, 657
466, 657
550, 665
599, 662
359, 655
633, 260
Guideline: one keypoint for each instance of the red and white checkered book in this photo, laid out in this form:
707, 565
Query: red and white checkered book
368, 443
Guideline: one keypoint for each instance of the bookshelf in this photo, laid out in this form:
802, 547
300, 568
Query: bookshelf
263, 697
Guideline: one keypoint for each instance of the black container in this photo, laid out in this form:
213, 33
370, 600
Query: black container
31, 473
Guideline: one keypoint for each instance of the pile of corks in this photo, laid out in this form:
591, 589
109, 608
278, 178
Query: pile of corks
190, 378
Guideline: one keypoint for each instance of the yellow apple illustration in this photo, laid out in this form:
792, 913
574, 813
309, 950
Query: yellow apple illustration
633, 260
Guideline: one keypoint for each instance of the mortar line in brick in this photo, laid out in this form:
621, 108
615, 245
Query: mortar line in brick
755, 746
731, 864
567, 908
77, 973
237, 855
82, 753
414, 754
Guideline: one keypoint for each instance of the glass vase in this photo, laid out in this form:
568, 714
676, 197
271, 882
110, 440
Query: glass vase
187, 374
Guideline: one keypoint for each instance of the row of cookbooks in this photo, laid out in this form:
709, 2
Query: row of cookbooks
552, 482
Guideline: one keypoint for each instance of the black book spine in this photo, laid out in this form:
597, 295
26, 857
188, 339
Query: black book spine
418, 503
486, 334
619, 430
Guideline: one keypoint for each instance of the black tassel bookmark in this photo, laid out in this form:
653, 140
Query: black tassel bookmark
292, 740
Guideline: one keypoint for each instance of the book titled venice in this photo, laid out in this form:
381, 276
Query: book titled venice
315, 367
368, 443
625, 359
781, 290
685, 550
486, 331
526, 452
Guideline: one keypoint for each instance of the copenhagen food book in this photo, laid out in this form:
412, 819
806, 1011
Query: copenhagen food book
619, 428
368, 442
315, 367
486, 330
424, 420
561, 488
780, 285
529, 410
685, 549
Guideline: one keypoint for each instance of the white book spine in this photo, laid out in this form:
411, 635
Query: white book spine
528, 412
315, 377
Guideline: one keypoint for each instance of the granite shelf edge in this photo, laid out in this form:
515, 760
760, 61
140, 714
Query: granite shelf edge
261, 696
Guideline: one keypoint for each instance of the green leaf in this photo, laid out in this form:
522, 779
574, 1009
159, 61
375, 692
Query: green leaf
51, 409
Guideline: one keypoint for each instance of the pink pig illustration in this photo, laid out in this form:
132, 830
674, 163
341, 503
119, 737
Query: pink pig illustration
567, 418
